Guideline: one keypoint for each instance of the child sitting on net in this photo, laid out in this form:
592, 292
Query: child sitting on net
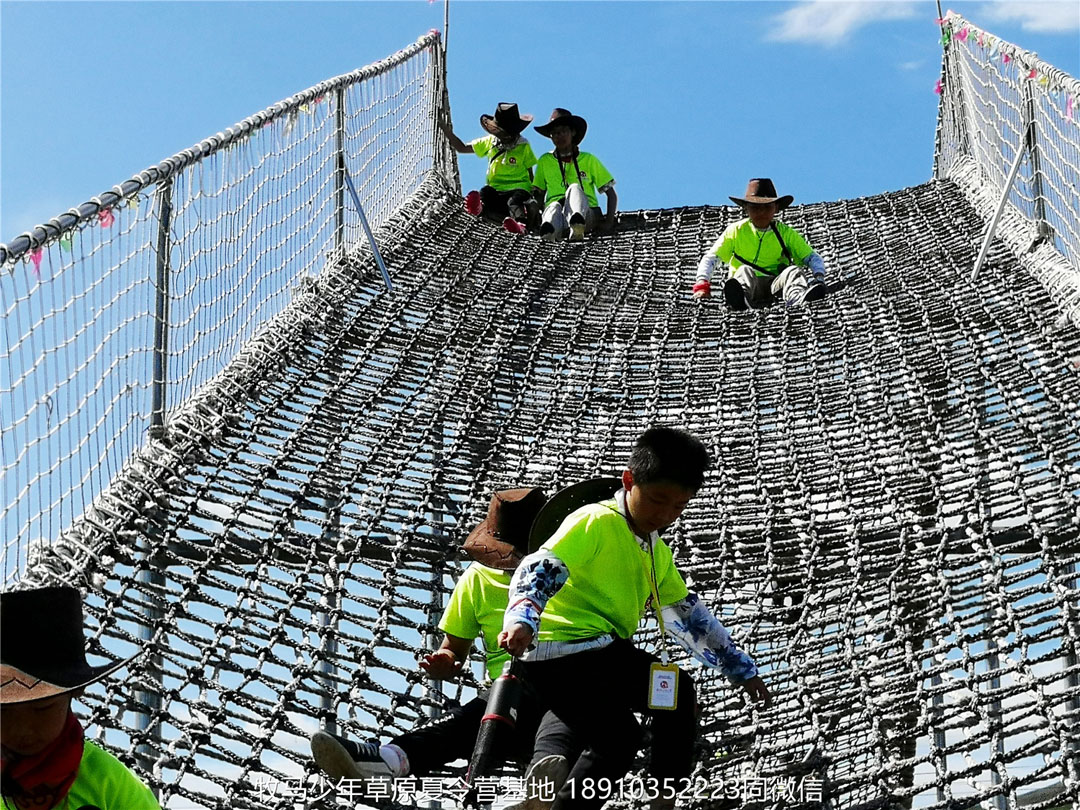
767, 257
580, 597
507, 195
568, 181
46, 761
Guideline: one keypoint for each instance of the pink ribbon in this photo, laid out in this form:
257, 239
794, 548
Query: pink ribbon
962, 34
106, 218
35, 257
937, 87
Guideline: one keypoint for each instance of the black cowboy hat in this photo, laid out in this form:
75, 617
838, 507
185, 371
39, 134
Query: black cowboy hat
43, 645
761, 191
567, 501
561, 117
506, 123
502, 539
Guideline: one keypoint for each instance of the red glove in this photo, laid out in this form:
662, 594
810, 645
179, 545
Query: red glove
703, 286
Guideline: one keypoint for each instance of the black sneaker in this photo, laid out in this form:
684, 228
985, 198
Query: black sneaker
547, 231
734, 294
815, 291
341, 758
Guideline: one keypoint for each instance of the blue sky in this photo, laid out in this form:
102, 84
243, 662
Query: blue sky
685, 101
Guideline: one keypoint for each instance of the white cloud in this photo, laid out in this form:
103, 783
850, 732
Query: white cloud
1046, 16
911, 65
829, 23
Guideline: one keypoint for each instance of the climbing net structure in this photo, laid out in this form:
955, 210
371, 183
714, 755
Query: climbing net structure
259, 459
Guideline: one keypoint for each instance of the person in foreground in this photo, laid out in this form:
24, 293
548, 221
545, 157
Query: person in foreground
580, 597
768, 259
475, 608
46, 761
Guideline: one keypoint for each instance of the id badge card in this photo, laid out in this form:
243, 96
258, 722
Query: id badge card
663, 686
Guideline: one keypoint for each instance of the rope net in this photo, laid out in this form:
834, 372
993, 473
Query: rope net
890, 528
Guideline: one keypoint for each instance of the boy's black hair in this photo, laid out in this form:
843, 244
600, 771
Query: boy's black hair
670, 455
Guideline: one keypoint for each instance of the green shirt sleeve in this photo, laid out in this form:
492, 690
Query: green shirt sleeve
671, 587
459, 617
598, 173
798, 246
482, 146
527, 156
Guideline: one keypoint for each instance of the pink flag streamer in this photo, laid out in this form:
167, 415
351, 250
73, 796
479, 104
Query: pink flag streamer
106, 218
35, 257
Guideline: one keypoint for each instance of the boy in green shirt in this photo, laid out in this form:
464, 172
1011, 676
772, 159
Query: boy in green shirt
767, 257
475, 608
46, 761
569, 180
507, 195
580, 597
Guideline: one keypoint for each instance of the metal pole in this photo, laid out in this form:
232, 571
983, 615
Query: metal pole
161, 314
367, 229
1036, 166
1071, 661
146, 720
1020, 149
339, 174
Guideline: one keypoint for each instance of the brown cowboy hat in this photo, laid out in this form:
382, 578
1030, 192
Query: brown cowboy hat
564, 118
761, 191
503, 537
43, 646
566, 501
506, 123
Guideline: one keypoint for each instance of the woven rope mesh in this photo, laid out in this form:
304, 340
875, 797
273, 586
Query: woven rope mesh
890, 527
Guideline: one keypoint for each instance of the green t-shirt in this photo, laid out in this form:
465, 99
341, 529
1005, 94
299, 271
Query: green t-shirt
104, 782
476, 607
608, 585
760, 247
508, 169
549, 176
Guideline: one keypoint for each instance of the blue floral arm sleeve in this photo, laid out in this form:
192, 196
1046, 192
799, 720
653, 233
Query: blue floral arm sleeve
691, 623
537, 579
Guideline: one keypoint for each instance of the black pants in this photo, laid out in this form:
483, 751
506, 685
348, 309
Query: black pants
596, 694
498, 205
453, 735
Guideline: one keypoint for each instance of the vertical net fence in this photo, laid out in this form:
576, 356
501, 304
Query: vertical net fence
1003, 107
118, 311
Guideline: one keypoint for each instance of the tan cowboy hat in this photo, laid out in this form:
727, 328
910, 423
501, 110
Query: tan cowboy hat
761, 191
502, 539
506, 123
566, 501
564, 118
43, 645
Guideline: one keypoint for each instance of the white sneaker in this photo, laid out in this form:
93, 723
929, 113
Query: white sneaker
341, 758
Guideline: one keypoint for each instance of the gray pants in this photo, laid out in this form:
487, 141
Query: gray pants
558, 213
788, 286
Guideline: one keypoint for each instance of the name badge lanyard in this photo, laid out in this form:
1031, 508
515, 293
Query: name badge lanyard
663, 677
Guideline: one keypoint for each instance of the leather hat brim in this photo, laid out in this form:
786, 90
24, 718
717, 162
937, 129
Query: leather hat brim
17, 686
781, 202
576, 123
